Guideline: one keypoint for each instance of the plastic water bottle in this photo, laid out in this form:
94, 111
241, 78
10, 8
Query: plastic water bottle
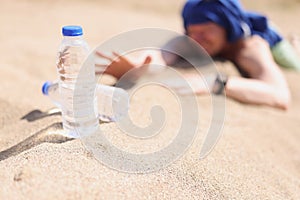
76, 86
113, 102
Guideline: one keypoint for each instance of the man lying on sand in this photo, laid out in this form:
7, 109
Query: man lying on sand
225, 30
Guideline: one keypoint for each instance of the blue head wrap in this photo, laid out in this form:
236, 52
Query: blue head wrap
229, 15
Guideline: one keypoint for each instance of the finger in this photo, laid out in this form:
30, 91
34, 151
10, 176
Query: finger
101, 65
116, 54
98, 53
147, 60
100, 72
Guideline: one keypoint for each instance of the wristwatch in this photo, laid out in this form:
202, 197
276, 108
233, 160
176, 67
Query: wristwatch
220, 83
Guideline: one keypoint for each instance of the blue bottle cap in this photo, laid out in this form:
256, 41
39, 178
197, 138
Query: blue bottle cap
45, 87
72, 31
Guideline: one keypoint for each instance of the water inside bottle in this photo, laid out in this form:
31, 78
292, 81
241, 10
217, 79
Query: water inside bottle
77, 86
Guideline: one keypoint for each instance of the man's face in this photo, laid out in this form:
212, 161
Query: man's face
210, 36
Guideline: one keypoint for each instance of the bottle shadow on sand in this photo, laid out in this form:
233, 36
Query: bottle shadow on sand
37, 114
50, 134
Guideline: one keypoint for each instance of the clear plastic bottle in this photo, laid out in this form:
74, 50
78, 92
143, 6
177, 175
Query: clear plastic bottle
76, 86
113, 102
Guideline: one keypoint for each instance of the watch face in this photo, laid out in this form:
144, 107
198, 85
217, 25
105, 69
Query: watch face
220, 83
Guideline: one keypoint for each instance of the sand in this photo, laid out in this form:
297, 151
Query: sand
257, 156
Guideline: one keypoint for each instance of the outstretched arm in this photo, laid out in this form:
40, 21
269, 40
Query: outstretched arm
257, 92
266, 85
118, 64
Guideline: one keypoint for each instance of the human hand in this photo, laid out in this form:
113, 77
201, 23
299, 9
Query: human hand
118, 65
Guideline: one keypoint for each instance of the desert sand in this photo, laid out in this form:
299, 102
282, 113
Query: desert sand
257, 157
